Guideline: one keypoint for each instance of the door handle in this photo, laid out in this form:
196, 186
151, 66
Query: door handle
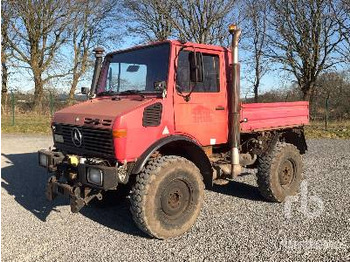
219, 108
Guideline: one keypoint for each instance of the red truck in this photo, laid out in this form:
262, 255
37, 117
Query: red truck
166, 120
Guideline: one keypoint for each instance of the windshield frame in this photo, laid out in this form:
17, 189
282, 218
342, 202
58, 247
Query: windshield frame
102, 81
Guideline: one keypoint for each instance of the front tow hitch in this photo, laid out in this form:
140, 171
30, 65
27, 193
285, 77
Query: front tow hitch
78, 197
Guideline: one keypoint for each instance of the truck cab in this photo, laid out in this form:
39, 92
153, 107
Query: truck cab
159, 120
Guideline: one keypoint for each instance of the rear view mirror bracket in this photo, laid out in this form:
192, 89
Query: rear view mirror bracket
196, 67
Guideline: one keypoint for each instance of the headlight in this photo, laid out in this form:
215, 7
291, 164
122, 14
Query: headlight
43, 160
95, 176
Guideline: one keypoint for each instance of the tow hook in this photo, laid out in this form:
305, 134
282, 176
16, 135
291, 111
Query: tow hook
50, 192
77, 202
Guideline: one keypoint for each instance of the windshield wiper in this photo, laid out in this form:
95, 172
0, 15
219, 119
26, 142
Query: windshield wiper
132, 92
107, 93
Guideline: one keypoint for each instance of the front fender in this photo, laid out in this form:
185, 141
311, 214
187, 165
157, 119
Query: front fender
142, 160
179, 145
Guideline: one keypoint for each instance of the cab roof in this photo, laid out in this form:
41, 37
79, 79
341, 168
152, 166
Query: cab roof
173, 43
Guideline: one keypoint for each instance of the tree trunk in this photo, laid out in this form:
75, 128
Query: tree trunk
256, 93
306, 95
4, 102
73, 88
4, 93
308, 90
38, 93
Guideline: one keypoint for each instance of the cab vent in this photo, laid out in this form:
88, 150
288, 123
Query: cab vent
152, 115
106, 122
96, 121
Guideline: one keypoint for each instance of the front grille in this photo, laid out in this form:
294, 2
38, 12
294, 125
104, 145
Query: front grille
95, 141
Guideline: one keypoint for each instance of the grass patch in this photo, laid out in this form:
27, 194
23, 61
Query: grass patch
27, 123
334, 130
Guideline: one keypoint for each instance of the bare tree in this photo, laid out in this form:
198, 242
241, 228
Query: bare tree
39, 31
202, 21
333, 89
92, 20
254, 41
149, 19
5, 52
345, 23
345, 5
305, 38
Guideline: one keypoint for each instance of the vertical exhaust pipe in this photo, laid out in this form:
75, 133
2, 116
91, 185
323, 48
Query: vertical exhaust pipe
235, 103
98, 62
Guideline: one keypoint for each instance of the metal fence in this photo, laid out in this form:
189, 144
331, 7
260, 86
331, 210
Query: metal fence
19, 114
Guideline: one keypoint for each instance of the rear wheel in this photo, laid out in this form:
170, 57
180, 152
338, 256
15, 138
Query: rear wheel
280, 172
167, 197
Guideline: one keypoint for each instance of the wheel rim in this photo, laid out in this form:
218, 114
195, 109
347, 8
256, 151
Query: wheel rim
176, 198
287, 173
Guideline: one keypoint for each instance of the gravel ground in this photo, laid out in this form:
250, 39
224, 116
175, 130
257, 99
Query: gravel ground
236, 224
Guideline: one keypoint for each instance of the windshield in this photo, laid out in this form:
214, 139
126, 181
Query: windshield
140, 70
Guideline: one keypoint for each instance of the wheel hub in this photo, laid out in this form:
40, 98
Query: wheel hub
286, 174
175, 198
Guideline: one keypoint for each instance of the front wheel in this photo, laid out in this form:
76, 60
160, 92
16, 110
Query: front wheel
280, 172
167, 197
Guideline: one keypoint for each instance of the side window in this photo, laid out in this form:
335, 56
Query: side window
211, 80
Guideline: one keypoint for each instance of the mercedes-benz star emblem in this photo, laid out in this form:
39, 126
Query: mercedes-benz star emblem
77, 137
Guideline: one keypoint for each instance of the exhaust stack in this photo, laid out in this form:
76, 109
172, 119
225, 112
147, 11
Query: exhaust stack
98, 62
235, 103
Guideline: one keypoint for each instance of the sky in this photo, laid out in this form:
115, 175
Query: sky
20, 79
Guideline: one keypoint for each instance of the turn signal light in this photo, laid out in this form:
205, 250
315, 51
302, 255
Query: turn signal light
119, 133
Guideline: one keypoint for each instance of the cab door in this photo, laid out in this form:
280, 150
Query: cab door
203, 114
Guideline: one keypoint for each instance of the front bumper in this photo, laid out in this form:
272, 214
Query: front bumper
70, 177
59, 163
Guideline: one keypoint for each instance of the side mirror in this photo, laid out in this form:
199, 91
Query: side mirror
196, 67
160, 85
85, 90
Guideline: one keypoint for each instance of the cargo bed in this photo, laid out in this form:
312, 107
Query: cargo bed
267, 116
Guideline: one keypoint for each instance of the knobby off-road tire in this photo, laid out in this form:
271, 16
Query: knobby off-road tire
167, 197
280, 172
